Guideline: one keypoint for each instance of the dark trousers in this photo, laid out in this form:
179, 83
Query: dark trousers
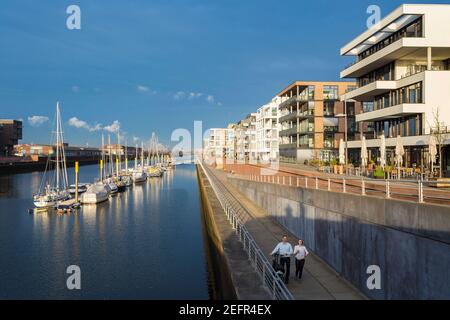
299, 264
286, 264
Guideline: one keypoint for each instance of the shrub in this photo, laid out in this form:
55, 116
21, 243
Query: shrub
378, 173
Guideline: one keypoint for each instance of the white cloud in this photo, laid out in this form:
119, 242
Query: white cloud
193, 95
135, 139
113, 127
145, 89
210, 99
80, 124
179, 95
36, 121
76, 89
97, 127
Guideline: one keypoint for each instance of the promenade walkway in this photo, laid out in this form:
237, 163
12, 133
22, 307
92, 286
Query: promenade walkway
402, 190
319, 281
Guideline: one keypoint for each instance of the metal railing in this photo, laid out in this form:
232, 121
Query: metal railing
259, 261
407, 190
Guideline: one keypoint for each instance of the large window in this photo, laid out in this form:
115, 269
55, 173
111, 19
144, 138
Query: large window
383, 73
406, 126
409, 94
328, 108
307, 93
330, 93
413, 30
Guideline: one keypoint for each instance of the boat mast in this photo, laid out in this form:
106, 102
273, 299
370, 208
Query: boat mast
57, 146
103, 158
119, 150
142, 154
110, 156
126, 155
136, 158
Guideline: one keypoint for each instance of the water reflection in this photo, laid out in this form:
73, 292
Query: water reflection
125, 246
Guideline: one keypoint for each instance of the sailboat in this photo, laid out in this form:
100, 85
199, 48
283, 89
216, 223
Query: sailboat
110, 179
138, 172
52, 192
99, 191
155, 170
120, 179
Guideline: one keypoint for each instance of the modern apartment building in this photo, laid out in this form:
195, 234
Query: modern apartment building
313, 120
221, 143
267, 128
402, 69
245, 139
10, 134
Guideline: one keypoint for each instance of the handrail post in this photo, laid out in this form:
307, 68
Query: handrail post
344, 189
317, 183
363, 187
290, 180
298, 182
306, 182
388, 189
329, 184
420, 191
283, 180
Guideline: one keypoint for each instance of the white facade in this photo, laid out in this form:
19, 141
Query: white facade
245, 137
267, 131
403, 68
220, 143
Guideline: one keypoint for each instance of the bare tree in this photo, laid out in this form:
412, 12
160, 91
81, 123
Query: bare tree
438, 130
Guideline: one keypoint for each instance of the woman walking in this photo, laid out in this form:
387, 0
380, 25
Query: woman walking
300, 253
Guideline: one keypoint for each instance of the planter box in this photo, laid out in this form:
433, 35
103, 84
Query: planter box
440, 183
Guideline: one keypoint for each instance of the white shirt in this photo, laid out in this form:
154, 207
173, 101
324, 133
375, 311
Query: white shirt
300, 252
283, 249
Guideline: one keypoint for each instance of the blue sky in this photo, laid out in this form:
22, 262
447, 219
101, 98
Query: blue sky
159, 65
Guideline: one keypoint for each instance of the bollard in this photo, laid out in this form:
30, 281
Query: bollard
329, 184
306, 182
363, 187
290, 180
76, 181
278, 179
283, 180
317, 183
388, 191
298, 182
420, 192
344, 189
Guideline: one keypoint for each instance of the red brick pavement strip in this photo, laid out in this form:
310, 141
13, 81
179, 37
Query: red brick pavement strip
398, 190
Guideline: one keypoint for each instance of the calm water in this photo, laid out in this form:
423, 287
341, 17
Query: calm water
146, 243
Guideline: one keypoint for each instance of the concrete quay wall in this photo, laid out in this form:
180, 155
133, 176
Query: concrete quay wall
410, 242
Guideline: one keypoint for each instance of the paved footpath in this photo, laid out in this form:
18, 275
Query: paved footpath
319, 281
402, 190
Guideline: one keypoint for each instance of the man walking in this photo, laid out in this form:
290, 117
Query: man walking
284, 250
300, 253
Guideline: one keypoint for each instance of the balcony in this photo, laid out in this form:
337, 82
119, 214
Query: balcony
293, 100
288, 146
393, 51
289, 132
367, 92
288, 117
393, 112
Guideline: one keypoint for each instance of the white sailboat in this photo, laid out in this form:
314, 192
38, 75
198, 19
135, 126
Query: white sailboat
57, 189
94, 194
110, 180
99, 191
139, 174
